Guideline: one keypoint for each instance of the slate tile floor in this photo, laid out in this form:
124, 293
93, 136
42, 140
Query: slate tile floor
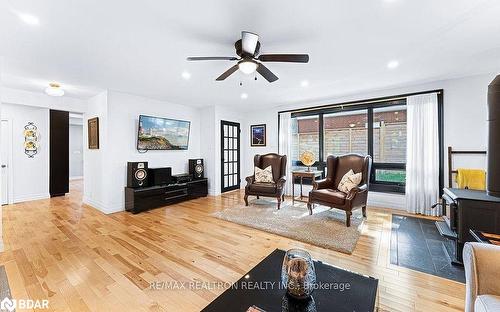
416, 244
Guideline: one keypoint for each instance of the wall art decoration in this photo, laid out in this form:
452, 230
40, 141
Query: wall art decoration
258, 135
93, 133
30, 140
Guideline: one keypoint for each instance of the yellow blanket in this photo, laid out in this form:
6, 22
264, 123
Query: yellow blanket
474, 179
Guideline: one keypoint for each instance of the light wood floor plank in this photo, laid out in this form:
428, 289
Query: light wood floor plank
83, 260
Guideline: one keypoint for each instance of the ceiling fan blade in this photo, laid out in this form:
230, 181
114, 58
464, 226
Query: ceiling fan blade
227, 73
212, 58
294, 58
249, 42
266, 73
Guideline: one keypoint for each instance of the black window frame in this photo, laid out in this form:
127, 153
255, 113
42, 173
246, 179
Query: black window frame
369, 106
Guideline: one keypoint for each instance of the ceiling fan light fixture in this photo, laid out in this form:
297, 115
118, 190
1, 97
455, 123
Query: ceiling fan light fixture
247, 67
54, 89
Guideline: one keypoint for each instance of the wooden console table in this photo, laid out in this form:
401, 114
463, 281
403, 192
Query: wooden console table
303, 174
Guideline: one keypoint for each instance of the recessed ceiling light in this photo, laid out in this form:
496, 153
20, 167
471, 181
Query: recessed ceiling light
186, 75
54, 89
29, 19
304, 83
244, 96
392, 64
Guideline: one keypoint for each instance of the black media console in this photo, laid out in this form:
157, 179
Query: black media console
144, 198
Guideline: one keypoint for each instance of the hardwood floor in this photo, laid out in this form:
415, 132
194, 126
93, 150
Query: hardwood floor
81, 259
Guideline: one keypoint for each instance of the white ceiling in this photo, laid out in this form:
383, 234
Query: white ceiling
140, 47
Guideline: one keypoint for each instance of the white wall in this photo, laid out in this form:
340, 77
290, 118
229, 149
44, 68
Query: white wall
465, 127
1, 91
223, 113
208, 148
29, 176
40, 99
119, 113
94, 162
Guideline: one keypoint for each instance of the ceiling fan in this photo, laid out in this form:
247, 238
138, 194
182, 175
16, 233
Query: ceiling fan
249, 60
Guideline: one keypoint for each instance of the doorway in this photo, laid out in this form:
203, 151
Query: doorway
230, 155
5, 158
75, 152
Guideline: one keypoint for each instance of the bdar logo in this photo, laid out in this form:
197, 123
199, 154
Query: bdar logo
7, 304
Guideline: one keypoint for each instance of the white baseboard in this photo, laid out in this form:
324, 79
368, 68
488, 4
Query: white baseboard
94, 204
76, 178
29, 197
102, 207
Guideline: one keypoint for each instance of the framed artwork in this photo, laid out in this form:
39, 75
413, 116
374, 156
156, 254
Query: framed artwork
258, 135
93, 133
30, 140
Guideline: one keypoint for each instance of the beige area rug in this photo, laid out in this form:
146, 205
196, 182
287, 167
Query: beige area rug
325, 228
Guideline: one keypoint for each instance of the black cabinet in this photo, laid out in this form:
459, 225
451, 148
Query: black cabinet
468, 210
144, 198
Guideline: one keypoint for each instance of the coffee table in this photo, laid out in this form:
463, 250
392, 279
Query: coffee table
261, 288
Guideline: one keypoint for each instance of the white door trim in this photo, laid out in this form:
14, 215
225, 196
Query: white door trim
9, 168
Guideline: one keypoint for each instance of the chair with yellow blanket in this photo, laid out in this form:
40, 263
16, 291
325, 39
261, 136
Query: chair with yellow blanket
473, 179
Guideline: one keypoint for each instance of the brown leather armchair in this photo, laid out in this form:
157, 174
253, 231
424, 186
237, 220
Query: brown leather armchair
278, 163
325, 191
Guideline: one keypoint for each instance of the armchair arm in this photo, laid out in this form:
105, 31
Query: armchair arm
482, 272
250, 179
281, 181
322, 184
356, 190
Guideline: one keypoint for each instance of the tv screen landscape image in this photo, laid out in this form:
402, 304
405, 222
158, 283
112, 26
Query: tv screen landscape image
156, 133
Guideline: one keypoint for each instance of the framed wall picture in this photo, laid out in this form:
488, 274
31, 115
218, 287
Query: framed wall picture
258, 135
93, 133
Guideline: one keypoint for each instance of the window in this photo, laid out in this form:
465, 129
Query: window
305, 137
377, 129
345, 132
389, 148
389, 134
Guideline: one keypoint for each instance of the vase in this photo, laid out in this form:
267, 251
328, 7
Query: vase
298, 275
289, 304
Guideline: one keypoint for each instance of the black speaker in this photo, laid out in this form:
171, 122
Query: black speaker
160, 176
137, 174
196, 168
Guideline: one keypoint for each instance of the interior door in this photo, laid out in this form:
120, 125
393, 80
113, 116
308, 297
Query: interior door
4, 158
58, 153
230, 155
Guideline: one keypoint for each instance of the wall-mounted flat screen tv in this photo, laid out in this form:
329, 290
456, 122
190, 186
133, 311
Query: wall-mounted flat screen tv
156, 133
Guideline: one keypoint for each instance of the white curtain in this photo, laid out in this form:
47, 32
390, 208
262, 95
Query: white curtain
285, 147
422, 153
